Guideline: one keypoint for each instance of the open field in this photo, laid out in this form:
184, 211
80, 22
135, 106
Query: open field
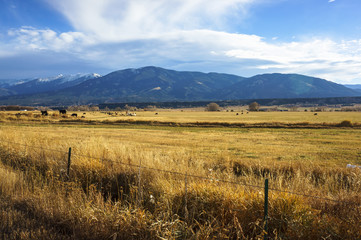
202, 116
231, 117
196, 118
107, 195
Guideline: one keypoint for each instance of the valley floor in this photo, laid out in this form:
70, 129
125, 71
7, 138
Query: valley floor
143, 181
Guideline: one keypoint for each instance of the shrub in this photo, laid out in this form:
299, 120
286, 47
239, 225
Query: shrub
212, 107
346, 123
254, 106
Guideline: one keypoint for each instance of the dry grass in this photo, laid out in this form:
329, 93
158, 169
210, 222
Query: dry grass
101, 198
188, 116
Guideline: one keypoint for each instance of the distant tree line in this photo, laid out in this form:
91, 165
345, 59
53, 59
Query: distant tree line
83, 108
301, 102
15, 108
306, 102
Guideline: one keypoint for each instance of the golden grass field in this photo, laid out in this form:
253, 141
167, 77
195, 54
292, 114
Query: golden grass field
196, 115
107, 196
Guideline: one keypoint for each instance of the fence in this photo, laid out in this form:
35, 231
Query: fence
69, 154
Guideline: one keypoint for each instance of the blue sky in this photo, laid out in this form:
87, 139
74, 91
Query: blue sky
322, 38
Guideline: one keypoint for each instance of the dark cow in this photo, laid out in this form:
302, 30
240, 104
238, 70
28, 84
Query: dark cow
156, 113
74, 115
62, 111
315, 114
44, 113
237, 114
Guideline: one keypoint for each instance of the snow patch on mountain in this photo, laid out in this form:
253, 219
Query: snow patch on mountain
68, 78
20, 82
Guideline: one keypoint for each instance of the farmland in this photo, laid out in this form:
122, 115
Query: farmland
196, 115
133, 179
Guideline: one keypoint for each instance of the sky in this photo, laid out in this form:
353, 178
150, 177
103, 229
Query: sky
43, 38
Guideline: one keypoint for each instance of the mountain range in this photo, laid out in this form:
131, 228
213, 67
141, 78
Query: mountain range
356, 87
154, 84
39, 85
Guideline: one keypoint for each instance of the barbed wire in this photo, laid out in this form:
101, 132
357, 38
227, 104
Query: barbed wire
32, 146
189, 175
312, 196
169, 171
216, 179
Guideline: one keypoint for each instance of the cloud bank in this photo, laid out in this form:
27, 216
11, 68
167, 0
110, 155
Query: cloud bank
182, 35
116, 20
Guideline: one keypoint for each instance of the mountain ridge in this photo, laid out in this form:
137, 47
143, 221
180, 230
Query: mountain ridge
37, 85
155, 84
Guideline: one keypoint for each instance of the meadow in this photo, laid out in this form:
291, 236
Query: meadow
131, 179
197, 115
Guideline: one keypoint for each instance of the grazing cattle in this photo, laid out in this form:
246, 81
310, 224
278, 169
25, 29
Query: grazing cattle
44, 113
84, 113
82, 116
74, 115
62, 111
315, 114
132, 114
237, 114
156, 113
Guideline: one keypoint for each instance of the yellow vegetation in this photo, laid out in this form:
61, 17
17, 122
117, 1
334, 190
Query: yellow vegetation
210, 186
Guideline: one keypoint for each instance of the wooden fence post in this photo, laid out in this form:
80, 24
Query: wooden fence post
265, 209
69, 162
139, 184
186, 197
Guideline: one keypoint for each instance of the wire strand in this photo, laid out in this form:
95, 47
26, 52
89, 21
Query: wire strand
188, 175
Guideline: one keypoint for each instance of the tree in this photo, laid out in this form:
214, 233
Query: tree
294, 108
150, 108
212, 107
253, 106
94, 108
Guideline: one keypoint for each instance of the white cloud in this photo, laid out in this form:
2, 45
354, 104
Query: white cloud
330, 1
182, 35
113, 20
202, 50
46, 39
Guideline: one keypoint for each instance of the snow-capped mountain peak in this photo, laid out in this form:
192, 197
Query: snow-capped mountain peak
68, 78
54, 83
